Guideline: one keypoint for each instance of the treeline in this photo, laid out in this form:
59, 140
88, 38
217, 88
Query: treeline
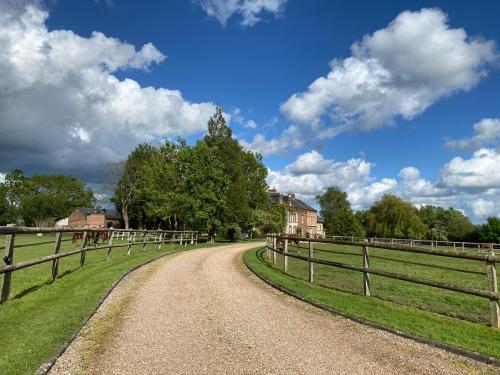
214, 185
40, 200
393, 217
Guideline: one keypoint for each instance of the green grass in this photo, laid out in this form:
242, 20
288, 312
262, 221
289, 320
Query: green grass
448, 317
40, 316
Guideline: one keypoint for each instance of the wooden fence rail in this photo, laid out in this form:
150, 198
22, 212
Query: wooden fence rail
90, 239
456, 245
490, 259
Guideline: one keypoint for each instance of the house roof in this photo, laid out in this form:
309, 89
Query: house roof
277, 198
110, 214
320, 220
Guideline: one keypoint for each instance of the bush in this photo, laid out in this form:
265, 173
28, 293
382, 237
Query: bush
232, 232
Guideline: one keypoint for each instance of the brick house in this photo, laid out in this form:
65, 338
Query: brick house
301, 218
84, 217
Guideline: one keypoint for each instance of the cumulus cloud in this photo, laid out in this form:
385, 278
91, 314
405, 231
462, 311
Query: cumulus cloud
62, 106
399, 70
482, 207
250, 11
486, 132
250, 124
480, 172
288, 141
412, 186
311, 174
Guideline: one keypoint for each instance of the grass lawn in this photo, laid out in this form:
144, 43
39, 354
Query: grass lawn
40, 316
428, 312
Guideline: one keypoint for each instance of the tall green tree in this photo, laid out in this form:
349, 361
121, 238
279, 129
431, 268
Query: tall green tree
445, 224
490, 231
393, 217
41, 199
336, 211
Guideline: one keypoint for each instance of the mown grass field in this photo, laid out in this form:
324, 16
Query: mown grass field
40, 316
437, 314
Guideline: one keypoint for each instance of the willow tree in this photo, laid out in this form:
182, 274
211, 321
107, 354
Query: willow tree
393, 217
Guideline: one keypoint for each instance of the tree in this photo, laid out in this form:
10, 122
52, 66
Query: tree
393, 217
41, 199
336, 211
490, 231
7, 211
447, 224
123, 178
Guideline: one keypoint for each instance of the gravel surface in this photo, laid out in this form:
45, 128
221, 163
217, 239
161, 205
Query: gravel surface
201, 312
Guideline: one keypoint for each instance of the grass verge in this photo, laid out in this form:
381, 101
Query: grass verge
41, 316
449, 330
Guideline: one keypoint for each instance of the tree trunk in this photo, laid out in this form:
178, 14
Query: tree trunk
211, 234
125, 216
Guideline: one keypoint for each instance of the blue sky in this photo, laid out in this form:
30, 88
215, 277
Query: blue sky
252, 59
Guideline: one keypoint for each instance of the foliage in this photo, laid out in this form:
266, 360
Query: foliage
339, 219
41, 199
394, 217
453, 224
214, 185
490, 231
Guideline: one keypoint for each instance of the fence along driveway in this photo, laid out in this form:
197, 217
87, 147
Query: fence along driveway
89, 242
489, 258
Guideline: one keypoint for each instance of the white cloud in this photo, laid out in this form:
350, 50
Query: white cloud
486, 132
2, 177
480, 172
409, 173
250, 11
400, 70
311, 174
482, 207
412, 186
61, 105
288, 141
363, 196
250, 124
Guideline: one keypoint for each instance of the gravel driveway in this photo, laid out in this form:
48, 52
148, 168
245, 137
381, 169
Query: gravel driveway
201, 312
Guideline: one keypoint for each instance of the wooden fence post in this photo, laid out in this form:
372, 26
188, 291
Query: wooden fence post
285, 260
275, 243
8, 259
366, 275
492, 283
311, 264
145, 241
173, 238
161, 239
55, 262
84, 245
192, 238
181, 238
130, 239
110, 243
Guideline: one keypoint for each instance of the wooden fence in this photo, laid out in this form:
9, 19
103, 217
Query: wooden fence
490, 260
89, 242
456, 245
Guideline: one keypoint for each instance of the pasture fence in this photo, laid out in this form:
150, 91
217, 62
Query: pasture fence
279, 244
89, 238
455, 245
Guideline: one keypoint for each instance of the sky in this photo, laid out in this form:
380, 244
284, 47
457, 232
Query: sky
374, 97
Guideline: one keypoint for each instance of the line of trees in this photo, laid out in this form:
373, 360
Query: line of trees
214, 185
40, 200
393, 217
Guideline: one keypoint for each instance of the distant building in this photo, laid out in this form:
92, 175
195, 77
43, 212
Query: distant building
84, 217
301, 218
